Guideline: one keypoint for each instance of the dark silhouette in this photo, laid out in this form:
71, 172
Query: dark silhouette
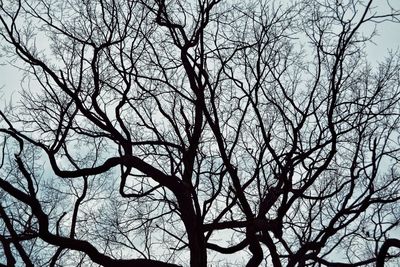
201, 133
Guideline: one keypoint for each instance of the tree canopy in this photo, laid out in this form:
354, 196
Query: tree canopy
199, 133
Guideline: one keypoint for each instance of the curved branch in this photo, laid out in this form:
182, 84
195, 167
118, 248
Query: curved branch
384, 250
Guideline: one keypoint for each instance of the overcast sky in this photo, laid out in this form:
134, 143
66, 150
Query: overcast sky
388, 38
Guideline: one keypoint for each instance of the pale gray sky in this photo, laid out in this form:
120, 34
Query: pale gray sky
388, 38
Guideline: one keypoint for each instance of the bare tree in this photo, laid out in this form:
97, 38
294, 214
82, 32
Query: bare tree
209, 132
